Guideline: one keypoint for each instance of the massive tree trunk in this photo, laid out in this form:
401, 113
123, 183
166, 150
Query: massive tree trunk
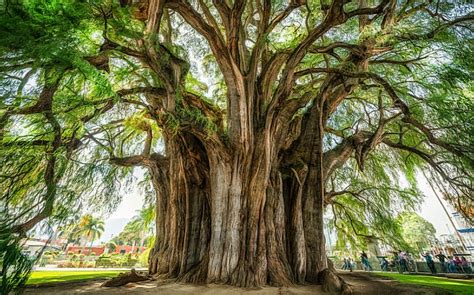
244, 218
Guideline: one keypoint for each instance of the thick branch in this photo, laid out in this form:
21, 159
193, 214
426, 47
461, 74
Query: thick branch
139, 160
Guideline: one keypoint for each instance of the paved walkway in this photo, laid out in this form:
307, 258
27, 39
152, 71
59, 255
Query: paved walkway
364, 283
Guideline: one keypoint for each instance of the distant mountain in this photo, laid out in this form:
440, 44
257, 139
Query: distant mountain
113, 227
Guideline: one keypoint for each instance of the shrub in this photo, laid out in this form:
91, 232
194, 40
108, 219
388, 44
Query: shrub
90, 264
67, 264
46, 259
143, 259
105, 262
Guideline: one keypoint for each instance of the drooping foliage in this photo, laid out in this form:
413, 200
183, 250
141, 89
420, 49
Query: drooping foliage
15, 266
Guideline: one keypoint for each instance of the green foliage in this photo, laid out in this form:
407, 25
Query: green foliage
15, 266
416, 231
143, 259
372, 201
116, 260
138, 230
89, 228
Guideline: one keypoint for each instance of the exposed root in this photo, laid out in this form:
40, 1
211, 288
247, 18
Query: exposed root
125, 278
197, 274
244, 277
333, 284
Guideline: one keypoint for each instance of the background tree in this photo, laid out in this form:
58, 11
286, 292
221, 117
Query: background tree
417, 231
250, 117
111, 246
138, 229
89, 229
144, 222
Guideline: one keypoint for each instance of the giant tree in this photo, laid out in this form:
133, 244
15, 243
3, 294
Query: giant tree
250, 117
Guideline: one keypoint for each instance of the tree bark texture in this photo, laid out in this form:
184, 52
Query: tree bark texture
243, 218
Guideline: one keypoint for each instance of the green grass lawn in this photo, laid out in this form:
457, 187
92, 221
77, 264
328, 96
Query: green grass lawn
465, 287
41, 277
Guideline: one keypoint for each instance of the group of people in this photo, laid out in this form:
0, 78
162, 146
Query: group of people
453, 264
404, 262
349, 263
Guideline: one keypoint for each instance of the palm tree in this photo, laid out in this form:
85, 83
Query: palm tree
144, 221
67, 232
146, 217
90, 228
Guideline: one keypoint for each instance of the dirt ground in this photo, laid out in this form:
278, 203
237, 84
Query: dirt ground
361, 283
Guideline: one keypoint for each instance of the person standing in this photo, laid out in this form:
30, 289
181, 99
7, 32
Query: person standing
365, 261
442, 261
458, 263
466, 265
384, 264
344, 264
412, 262
352, 264
451, 265
430, 262
402, 261
349, 264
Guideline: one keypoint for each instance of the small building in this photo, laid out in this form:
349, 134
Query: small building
98, 250
465, 230
33, 247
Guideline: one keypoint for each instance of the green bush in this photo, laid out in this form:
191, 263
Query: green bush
105, 262
143, 259
115, 260
46, 259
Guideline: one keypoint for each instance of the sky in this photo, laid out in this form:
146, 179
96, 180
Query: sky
430, 209
131, 203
